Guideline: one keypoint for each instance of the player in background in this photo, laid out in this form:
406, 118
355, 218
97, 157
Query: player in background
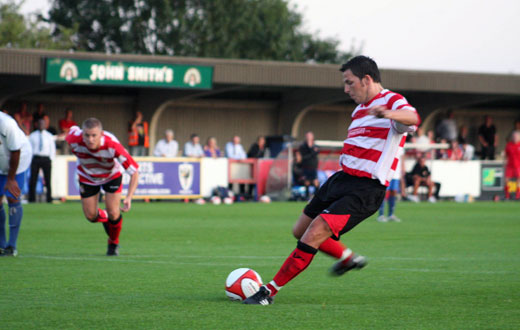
15, 159
394, 188
377, 133
101, 159
513, 163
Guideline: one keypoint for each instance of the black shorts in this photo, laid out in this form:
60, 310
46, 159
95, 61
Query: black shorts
345, 200
114, 186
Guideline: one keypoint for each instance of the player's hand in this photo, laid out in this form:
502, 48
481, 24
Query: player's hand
378, 111
127, 205
12, 186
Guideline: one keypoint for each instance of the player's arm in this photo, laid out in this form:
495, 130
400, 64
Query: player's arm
404, 116
132, 186
11, 185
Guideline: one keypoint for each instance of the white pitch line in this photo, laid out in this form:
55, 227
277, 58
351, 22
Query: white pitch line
174, 262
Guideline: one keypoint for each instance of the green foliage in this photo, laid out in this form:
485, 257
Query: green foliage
17, 31
446, 266
246, 29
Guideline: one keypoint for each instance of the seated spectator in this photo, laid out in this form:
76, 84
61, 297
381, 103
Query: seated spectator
193, 148
257, 149
166, 147
211, 148
65, 124
455, 152
234, 149
421, 176
24, 119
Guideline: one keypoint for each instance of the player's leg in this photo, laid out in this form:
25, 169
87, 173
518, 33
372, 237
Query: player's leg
115, 220
331, 247
381, 217
46, 167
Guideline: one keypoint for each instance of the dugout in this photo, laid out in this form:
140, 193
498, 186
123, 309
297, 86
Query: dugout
236, 97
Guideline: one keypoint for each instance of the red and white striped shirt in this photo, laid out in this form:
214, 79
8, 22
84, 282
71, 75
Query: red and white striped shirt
97, 167
372, 145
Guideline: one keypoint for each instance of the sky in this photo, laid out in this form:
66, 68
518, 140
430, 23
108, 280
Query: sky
438, 35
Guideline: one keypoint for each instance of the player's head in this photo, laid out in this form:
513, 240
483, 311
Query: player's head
516, 137
362, 78
92, 132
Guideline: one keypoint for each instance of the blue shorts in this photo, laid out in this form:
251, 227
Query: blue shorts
20, 179
395, 185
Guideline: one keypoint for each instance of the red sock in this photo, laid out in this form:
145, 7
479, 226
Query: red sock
114, 228
332, 248
102, 216
296, 263
517, 195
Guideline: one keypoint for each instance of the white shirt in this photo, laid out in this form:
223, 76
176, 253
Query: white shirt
42, 143
235, 151
164, 148
193, 150
12, 138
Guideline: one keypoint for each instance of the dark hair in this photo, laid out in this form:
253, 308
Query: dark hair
91, 123
362, 66
193, 135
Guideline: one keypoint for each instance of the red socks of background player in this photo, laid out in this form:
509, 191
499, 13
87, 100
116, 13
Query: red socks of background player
296, 263
113, 228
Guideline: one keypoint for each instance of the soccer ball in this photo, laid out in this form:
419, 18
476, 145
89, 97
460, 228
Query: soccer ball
216, 200
265, 199
242, 283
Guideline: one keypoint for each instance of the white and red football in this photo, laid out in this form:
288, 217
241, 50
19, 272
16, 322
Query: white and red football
242, 283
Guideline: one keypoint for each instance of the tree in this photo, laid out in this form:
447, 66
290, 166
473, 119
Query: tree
247, 29
16, 31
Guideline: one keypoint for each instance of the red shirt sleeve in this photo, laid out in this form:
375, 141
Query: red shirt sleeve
124, 158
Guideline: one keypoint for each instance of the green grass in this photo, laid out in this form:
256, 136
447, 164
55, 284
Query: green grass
446, 266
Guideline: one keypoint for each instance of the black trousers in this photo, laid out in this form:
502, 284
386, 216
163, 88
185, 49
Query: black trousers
45, 164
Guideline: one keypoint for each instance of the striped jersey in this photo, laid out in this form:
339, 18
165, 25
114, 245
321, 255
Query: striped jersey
97, 167
372, 146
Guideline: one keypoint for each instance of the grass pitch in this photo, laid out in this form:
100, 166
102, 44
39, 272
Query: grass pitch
446, 266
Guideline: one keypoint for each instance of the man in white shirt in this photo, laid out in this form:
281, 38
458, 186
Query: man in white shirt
166, 147
15, 158
44, 152
234, 149
193, 148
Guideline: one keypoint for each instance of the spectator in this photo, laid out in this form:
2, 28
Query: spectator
309, 152
234, 149
442, 153
297, 170
257, 149
447, 128
138, 139
24, 119
455, 152
44, 151
193, 148
211, 148
467, 149
421, 176
64, 125
513, 164
487, 136
515, 129
166, 147
39, 114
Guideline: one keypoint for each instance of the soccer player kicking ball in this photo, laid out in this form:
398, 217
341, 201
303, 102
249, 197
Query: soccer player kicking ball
100, 161
369, 159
